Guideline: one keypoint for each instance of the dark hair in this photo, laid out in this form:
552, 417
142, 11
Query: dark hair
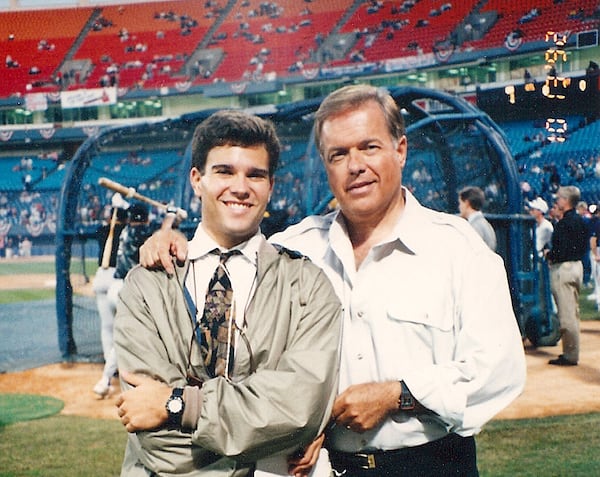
234, 128
473, 195
353, 96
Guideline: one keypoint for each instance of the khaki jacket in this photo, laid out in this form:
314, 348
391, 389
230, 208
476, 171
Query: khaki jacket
284, 381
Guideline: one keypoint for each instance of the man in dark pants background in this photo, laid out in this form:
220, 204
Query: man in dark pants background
569, 244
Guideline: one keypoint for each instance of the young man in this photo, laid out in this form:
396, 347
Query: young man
428, 357
470, 203
192, 414
569, 244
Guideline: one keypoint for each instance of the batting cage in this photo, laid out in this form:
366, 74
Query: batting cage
452, 144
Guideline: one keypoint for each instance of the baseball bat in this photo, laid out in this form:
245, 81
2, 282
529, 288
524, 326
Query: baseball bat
109, 240
130, 192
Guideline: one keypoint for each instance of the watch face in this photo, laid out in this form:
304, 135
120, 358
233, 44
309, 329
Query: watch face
175, 405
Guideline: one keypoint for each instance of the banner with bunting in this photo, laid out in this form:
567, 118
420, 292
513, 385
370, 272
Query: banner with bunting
83, 98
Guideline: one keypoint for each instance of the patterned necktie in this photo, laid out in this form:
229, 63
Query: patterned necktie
216, 323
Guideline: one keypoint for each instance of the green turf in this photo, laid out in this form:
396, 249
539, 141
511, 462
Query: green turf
17, 267
68, 446
25, 407
46, 265
561, 446
22, 295
62, 446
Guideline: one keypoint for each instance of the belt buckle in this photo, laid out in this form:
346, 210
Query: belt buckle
370, 461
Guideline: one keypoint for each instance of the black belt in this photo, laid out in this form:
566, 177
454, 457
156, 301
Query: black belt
366, 460
369, 460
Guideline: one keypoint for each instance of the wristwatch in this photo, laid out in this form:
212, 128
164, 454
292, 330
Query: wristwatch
406, 401
175, 407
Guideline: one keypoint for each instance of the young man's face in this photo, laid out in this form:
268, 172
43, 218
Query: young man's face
364, 164
234, 190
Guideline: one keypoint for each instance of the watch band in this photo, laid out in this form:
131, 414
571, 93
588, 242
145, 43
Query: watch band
406, 401
175, 406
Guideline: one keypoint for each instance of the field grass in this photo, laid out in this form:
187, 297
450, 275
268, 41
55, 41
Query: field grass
67, 446
558, 446
40, 265
62, 446
44, 265
16, 296
25, 267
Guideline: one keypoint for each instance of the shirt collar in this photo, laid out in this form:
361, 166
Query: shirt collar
410, 232
202, 244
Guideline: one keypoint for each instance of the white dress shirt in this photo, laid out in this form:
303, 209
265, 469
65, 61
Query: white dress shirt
429, 305
241, 270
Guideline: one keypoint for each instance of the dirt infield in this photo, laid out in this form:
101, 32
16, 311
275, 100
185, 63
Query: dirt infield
71, 383
43, 280
17, 282
549, 391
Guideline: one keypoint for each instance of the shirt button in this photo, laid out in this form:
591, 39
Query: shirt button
360, 314
359, 356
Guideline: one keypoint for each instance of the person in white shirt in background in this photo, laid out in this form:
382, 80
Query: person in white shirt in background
538, 208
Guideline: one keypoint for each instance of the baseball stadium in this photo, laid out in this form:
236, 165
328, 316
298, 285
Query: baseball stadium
98, 106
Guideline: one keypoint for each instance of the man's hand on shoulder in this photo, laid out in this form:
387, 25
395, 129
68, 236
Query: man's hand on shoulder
160, 249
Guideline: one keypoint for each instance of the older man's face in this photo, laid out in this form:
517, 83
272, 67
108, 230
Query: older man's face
364, 164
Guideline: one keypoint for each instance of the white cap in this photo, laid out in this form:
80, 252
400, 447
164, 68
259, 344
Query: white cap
539, 204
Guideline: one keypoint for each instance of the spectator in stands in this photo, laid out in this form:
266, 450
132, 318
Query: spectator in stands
532, 14
538, 208
107, 236
408, 410
569, 243
10, 63
25, 246
470, 204
554, 178
9, 250
284, 338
